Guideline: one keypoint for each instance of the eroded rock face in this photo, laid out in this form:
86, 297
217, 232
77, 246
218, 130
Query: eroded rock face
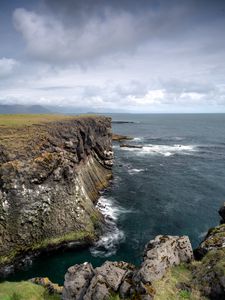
97, 284
77, 280
123, 279
49, 187
162, 253
214, 240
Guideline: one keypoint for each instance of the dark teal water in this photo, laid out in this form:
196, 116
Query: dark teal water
173, 185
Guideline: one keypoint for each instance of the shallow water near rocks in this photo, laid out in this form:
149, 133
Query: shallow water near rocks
173, 185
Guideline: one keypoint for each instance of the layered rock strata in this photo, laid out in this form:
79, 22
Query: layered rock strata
49, 183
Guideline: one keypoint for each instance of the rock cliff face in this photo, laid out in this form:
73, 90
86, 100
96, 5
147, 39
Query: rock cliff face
50, 178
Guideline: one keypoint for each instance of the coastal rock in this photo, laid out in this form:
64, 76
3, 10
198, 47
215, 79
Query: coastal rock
120, 137
52, 288
123, 278
222, 213
214, 240
162, 253
209, 275
131, 146
83, 281
49, 185
77, 280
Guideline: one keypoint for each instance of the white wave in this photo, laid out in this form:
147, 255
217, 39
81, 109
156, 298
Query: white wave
138, 139
165, 150
108, 242
135, 171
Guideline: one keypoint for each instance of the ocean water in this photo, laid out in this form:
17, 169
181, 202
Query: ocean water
174, 185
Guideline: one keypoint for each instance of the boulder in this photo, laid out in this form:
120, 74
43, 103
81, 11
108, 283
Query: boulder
162, 253
77, 280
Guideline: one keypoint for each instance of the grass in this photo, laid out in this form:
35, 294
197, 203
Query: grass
19, 130
24, 290
20, 120
29, 119
51, 242
167, 288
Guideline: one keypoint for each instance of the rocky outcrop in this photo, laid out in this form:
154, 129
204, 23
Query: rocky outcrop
215, 238
160, 254
209, 273
123, 279
131, 146
50, 178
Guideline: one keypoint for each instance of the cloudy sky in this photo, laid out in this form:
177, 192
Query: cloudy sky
118, 55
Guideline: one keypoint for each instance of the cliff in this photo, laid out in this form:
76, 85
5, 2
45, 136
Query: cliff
51, 171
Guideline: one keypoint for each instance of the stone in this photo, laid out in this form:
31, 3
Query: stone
125, 289
97, 290
222, 213
214, 240
162, 253
77, 280
113, 273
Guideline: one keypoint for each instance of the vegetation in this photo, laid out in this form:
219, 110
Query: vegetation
20, 120
177, 285
24, 290
69, 237
17, 131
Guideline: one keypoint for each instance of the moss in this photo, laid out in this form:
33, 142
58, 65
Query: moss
51, 242
177, 284
24, 290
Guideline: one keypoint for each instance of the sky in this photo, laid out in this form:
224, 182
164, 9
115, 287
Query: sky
145, 56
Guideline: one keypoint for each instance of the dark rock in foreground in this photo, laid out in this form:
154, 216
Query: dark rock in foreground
84, 282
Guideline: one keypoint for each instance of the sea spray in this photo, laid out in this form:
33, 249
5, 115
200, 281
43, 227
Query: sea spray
112, 236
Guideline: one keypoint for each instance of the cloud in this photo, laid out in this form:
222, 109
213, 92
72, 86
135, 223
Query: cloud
49, 39
117, 55
7, 66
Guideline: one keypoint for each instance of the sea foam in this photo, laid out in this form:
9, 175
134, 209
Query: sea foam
165, 150
112, 236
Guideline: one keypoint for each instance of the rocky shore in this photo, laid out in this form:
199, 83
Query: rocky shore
165, 255
50, 177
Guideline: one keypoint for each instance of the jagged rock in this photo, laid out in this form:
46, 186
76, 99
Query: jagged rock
123, 278
77, 280
98, 289
215, 239
113, 273
162, 253
222, 213
125, 289
209, 275
52, 288
119, 137
98, 284
131, 146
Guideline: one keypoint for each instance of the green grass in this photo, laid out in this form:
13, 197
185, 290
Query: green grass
166, 288
29, 119
69, 237
24, 290
17, 131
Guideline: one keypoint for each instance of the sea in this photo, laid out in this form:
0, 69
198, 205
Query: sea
173, 185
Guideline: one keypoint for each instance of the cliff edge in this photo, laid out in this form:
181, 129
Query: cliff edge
51, 171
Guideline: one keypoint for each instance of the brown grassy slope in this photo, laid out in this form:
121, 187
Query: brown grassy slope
20, 133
